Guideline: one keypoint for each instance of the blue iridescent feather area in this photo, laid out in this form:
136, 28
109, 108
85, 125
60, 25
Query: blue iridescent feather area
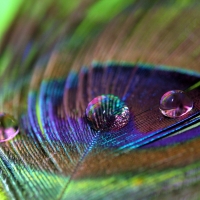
136, 85
57, 124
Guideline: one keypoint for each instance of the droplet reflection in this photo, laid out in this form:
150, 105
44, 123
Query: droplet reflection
175, 103
107, 112
8, 127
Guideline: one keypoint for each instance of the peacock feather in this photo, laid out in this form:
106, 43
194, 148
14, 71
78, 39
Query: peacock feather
84, 81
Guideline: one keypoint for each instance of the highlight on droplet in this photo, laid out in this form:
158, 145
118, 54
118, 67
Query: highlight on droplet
8, 127
175, 103
107, 112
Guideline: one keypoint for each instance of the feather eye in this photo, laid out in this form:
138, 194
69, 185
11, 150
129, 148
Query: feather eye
81, 145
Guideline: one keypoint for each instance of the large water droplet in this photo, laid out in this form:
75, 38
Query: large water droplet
107, 112
175, 103
8, 127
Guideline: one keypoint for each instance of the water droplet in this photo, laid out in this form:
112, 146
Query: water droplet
107, 112
8, 127
175, 103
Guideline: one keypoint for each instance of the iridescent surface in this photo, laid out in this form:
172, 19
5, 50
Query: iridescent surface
57, 157
107, 112
8, 127
175, 103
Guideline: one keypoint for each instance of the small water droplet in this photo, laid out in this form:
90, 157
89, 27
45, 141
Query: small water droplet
8, 127
107, 112
175, 103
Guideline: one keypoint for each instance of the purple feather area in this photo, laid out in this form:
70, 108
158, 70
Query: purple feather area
174, 139
62, 105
